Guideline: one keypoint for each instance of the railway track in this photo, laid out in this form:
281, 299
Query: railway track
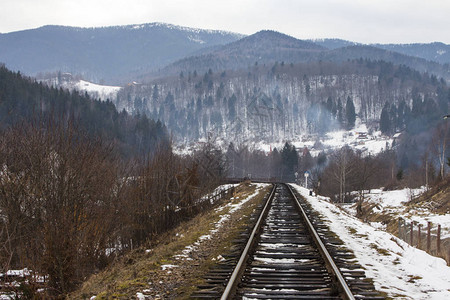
283, 256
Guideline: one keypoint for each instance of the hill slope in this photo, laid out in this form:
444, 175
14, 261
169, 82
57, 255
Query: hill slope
263, 47
24, 100
267, 47
374, 53
107, 53
437, 52
279, 101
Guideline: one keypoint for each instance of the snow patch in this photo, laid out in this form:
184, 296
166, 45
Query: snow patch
393, 202
196, 40
400, 269
96, 90
232, 208
168, 266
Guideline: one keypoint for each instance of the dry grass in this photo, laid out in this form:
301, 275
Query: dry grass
380, 251
437, 199
141, 270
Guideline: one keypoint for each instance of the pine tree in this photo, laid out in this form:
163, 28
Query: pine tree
289, 159
393, 116
350, 113
385, 121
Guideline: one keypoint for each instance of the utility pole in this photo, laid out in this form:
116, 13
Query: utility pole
306, 179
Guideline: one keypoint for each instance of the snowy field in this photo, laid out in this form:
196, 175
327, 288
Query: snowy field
402, 271
371, 144
102, 92
96, 91
392, 202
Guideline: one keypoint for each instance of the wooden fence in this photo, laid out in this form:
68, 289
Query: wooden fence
428, 239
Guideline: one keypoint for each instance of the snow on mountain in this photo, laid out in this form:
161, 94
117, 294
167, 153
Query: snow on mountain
358, 138
396, 268
70, 82
115, 54
371, 143
178, 27
194, 39
102, 92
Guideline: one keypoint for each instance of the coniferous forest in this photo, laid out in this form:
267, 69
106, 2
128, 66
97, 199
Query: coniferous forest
23, 99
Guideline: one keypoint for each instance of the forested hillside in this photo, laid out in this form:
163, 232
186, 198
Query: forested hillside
437, 52
24, 100
282, 101
111, 54
268, 47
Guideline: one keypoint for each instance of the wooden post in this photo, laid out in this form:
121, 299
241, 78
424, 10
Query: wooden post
448, 256
438, 242
411, 233
429, 237
419, 239
400, 228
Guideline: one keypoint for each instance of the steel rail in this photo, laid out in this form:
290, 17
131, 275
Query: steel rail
241, 263
347, 293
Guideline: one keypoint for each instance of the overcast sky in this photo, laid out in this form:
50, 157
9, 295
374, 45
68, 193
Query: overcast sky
365, 21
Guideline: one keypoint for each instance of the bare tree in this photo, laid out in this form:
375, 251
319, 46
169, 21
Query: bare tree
341, 167
66, 199
367, 168
57, 192
438, 145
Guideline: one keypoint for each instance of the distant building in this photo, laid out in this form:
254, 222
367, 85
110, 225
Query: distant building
362, 135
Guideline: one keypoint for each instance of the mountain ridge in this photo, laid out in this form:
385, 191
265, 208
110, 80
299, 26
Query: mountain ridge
105, 53
435, 51
120, 54
266, 47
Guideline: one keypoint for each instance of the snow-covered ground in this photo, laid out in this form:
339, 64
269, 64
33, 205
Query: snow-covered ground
218, 190
357, 138
373, 144
402, 271
102, 92
231, 209
392, 202
228, 209
70, 82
